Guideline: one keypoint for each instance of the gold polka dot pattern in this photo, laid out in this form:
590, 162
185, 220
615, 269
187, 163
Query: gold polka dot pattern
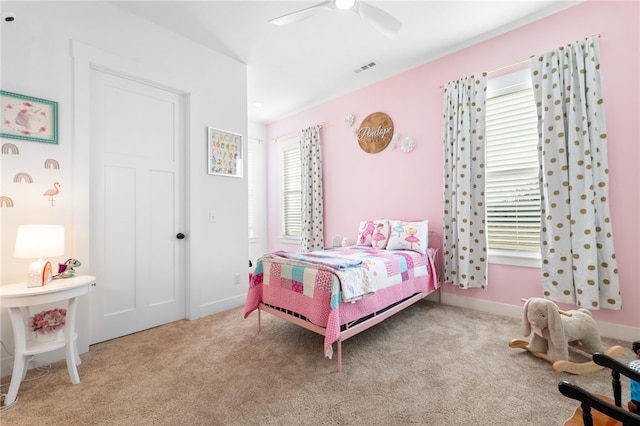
312, 205
464, 181
578, 258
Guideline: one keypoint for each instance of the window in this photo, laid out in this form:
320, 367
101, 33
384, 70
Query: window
512, 192
252, 153
291, 191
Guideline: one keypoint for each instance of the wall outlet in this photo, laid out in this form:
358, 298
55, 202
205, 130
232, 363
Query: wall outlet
236, 279
212, 217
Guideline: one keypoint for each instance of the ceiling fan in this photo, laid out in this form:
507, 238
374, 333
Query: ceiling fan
380, 19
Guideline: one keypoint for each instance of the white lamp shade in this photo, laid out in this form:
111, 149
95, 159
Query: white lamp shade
39, 241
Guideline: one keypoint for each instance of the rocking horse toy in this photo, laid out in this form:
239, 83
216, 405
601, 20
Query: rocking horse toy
555, 330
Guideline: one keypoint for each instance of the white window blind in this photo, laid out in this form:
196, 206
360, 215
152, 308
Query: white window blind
512, 189
291, 192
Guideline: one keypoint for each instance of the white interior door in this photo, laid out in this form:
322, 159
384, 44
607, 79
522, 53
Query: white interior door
137, 202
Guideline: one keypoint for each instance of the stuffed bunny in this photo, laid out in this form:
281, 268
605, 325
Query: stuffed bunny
552, 332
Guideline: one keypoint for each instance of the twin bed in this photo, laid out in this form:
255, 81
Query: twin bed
342, 291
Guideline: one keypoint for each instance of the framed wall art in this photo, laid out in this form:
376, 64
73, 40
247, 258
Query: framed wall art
28, 118
224, 153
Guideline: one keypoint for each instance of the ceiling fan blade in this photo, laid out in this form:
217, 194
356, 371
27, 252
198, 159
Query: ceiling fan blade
302, 14
380, 19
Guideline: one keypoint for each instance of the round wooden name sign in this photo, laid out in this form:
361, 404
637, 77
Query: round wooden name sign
375, 132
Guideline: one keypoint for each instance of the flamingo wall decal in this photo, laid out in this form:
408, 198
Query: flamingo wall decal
52, 192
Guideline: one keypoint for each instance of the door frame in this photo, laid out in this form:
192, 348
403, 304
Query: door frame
85, 58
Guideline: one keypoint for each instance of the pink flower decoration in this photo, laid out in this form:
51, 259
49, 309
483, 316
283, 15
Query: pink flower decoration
49, 321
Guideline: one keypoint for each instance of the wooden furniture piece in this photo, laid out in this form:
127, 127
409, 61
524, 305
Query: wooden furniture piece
19, 299
596, 409
567, 366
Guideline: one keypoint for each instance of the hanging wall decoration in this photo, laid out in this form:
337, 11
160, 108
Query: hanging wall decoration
407, 145
375, 132
348, 120
393, 143
225, 153
28, 118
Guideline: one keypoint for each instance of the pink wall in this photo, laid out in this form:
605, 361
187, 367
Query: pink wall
393, 184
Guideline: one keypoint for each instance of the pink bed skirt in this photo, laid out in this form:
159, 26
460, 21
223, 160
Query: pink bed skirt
317, 309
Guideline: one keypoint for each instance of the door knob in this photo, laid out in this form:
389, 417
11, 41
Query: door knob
180, 236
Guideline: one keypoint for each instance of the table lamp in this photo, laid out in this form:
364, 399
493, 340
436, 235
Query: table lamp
38, 242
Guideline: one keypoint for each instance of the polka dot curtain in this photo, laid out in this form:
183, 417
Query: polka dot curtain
312, 207
465, 240
578, 259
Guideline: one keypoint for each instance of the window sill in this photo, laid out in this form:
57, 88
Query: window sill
290, 240
515, 258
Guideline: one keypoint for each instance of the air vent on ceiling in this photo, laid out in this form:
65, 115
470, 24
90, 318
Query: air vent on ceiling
364, 67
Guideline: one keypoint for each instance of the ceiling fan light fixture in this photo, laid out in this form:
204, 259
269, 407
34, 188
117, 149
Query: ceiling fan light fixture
345, 4
381, 20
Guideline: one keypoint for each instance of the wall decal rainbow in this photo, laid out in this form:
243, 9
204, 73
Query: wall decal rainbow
51, 164
9, 148
23, 177
6, 202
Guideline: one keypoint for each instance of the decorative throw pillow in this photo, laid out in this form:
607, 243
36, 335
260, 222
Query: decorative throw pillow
373, 233
409, 236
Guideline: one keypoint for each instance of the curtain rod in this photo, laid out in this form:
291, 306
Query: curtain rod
288, 135
509, 66
513, 64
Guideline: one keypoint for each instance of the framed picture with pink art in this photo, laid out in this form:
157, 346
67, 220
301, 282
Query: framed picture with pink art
224, 153
28, 118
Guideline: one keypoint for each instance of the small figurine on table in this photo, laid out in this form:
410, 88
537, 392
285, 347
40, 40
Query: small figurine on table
634, 404
66, 269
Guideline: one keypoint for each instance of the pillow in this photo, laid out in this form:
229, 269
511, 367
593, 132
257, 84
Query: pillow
373, 233
409, 236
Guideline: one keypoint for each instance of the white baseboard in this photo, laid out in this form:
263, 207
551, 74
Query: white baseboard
221, 305
610, 330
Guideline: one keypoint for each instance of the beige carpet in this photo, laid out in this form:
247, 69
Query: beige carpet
429, 365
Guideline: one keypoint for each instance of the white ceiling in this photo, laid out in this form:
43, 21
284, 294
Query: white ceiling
294, 67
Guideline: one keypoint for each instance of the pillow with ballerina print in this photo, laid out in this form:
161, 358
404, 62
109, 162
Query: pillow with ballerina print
373, 233
409, 236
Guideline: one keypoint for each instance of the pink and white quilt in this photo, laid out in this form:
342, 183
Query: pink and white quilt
336, 286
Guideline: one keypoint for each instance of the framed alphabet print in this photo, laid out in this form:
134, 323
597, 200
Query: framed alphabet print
224, 153
28, 118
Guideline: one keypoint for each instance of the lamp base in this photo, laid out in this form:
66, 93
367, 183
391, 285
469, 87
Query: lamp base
40, 273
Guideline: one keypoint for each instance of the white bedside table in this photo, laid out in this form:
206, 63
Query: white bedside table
18, 298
